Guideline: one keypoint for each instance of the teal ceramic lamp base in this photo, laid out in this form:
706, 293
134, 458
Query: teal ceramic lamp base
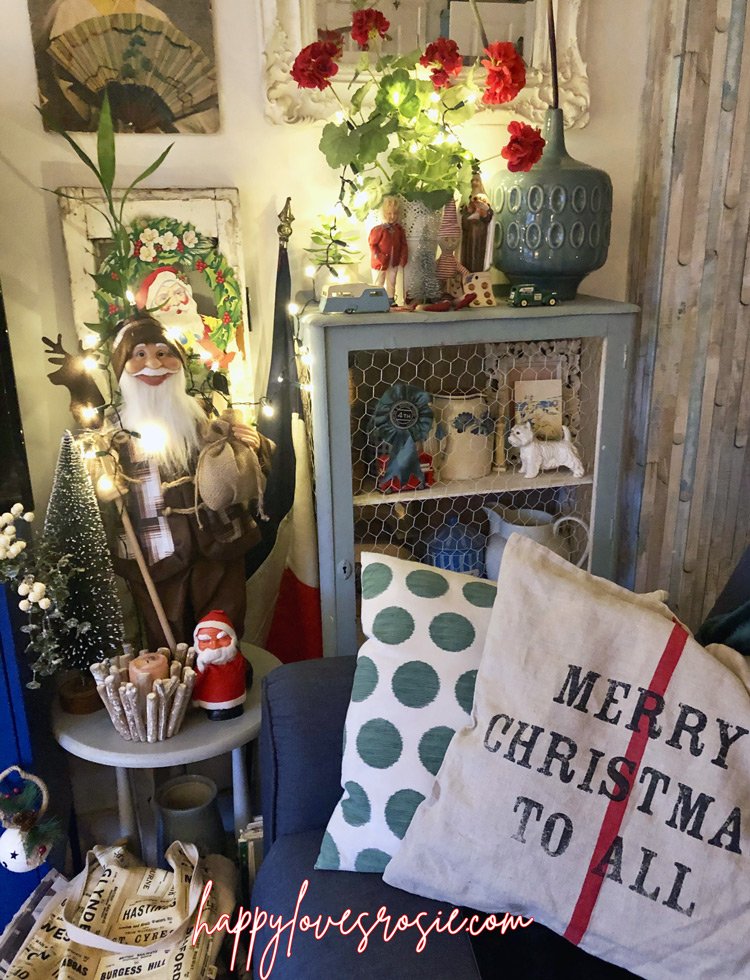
553, 223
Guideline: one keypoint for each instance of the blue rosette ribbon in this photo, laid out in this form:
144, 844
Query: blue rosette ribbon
403, 417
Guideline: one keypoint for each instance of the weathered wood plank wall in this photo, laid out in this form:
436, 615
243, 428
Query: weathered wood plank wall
687, 495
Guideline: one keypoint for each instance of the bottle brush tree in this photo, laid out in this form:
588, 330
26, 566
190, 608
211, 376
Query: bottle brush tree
73, 527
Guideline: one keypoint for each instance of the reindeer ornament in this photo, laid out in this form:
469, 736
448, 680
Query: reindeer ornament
74, 374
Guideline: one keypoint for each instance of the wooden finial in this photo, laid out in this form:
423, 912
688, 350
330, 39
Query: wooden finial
284, 229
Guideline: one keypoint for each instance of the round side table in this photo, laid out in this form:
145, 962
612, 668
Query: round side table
93, 737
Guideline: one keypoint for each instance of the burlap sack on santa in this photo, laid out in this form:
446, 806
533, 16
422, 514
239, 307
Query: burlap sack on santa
602, 783
228, 472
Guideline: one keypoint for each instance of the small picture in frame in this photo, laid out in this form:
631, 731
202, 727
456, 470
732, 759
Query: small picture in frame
540, 402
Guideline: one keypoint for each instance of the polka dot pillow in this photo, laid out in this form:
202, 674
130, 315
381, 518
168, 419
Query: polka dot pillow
413, 689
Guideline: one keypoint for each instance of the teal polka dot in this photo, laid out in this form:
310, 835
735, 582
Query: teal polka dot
371, 859
451, 632
365, 679
379, 743
465, 690
400, 809
376, 578
427, 585
392, 625
355, 806
480, 594
328, 859
416, 684
432, 747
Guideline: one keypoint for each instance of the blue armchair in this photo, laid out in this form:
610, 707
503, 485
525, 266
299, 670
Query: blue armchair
304, 707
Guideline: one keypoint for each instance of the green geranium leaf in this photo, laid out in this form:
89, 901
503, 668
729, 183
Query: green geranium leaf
411, 107
373, 142
431, 199
359, 96
339, 145
408, 61
394, 90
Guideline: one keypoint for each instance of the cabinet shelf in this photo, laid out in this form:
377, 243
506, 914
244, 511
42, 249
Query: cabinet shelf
509, 481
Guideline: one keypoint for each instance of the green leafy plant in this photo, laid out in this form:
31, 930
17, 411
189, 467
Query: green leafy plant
332, 246
399, 136
122, 260
397, 132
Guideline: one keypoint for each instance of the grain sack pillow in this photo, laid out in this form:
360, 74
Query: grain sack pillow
413, 688
604, 786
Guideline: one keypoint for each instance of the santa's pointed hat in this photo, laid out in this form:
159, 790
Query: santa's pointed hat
218, 620
140, 329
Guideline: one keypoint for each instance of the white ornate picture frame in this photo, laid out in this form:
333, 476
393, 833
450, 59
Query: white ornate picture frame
288, 25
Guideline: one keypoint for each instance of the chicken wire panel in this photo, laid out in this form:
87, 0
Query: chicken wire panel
430, 450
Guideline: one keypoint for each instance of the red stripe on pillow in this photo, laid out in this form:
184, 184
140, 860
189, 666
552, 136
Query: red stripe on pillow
615, 811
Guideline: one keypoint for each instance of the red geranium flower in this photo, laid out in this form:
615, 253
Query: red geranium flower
525, 147
506, 73
314, 65
367, 25
445, 60
200, 265
335, 37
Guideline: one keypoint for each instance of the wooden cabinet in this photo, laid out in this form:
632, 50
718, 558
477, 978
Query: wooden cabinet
581, 350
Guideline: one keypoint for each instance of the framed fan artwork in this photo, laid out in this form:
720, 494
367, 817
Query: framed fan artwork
186, 268
154, 58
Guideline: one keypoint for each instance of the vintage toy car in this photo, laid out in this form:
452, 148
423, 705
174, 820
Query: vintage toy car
354, 297
528, 294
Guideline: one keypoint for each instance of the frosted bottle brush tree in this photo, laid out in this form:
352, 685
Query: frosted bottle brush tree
73, 526
64, 581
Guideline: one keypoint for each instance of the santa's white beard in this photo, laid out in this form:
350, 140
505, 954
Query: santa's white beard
222, 655
166, 407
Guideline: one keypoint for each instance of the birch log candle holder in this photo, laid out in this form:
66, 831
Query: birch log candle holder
147, 696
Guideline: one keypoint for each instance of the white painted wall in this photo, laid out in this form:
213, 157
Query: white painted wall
265, 162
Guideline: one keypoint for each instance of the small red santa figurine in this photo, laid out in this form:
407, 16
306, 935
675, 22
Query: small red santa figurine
221, 684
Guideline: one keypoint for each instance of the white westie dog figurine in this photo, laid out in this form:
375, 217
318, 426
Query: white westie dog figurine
538, 454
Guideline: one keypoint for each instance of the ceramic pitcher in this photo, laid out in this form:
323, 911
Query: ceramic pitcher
189, 811
538, 525
457, 548
469, 436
